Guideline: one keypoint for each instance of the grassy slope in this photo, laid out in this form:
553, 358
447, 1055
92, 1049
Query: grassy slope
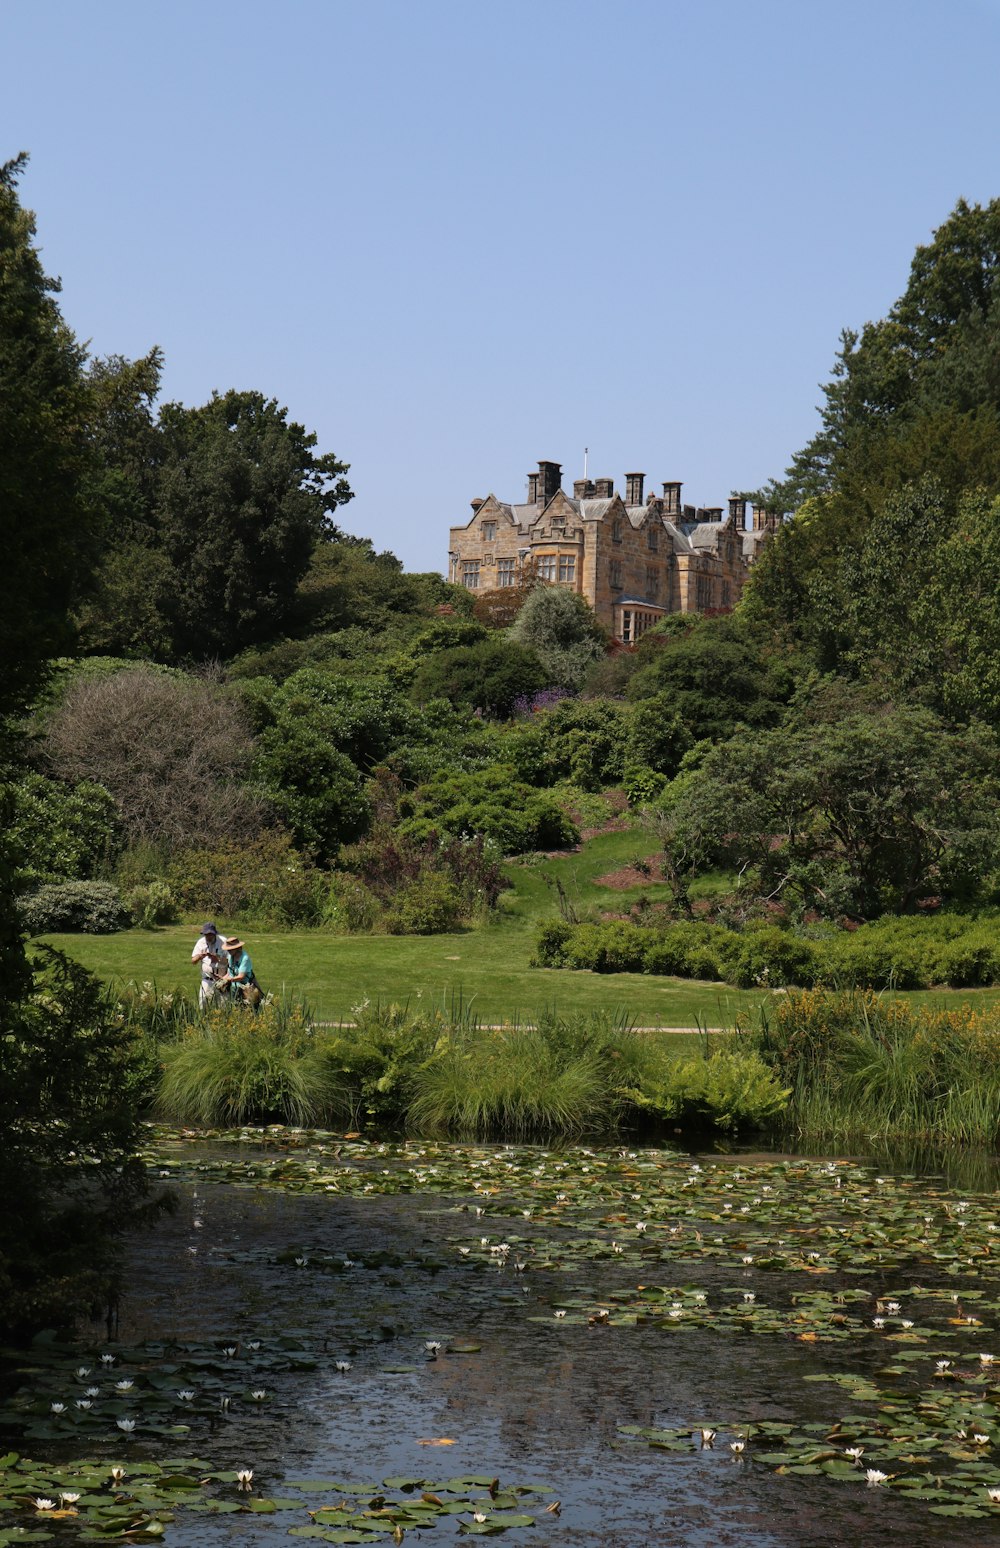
486, 969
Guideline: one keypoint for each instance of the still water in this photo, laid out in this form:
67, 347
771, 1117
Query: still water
536, 1264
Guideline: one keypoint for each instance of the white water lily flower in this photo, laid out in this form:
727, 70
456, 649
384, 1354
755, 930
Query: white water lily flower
854, 1452
878, 1322
43, 1504
979, 1439
640, 1226
560, 1314
127, 1425
748, 1258
700, 1295
254, 1344
478, 1517
707, 1436
244, 1477
994, 1495
986, 1359
83, 1371
259, 1395
229, 1351
185, 1394
301, 1262
749, 1297
432, 1345
343, 1366
892, 1306
737, 1446
905, 1322
465, 1251
108, 1359
117, 1474
942, 1365
68, 1499
875, 1477
57, 1408
84, 1403
124, 1386
224, 1403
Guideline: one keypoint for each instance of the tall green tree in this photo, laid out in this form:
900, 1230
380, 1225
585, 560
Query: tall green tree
242, 501
47, 526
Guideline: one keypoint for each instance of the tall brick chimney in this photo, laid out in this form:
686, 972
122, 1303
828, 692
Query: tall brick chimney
672, 499
738, 513
532, 488
633, 488
604, 488
549, 481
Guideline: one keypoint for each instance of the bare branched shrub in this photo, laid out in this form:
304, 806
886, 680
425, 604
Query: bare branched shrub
173, 751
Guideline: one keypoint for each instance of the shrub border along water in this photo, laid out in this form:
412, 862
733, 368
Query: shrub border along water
891, 953
432, 1073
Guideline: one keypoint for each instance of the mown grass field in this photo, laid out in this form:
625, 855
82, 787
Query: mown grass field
484, 969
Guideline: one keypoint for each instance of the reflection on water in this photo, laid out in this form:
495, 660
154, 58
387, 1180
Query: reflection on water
541, 1401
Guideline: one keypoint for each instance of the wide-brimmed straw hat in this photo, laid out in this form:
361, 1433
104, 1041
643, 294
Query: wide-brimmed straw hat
233, 943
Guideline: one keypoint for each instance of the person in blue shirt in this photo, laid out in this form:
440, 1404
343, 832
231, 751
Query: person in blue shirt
240, 978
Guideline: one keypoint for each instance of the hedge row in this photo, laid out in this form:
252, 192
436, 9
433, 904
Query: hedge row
889, 953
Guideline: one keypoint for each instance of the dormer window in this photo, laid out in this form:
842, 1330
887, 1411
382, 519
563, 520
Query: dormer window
489, 531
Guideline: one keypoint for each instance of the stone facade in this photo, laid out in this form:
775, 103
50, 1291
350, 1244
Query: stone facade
633, 560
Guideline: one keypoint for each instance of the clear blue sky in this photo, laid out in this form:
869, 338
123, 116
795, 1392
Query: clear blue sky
456, 237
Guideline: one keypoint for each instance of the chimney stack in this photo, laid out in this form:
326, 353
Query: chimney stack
583, 489
633, 488
672, 499
604, 488
549, 481
738, 513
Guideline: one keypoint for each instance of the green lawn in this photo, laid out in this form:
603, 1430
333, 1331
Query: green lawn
486, 969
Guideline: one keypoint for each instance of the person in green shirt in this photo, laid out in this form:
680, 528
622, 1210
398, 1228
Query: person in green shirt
243, 985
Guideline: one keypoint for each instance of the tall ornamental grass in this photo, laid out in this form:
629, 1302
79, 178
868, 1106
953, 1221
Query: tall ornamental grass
862, 1067
441, 1073
233, 1067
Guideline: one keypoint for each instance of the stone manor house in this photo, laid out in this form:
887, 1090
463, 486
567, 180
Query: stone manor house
633, 559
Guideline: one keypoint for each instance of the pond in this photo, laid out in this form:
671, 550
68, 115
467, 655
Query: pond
583, 1347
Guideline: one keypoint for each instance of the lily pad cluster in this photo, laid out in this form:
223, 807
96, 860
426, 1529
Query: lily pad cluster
137, 1501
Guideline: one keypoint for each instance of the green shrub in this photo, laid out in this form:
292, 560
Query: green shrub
772, 958
152, 905
258, 880
550, 943
350, 906
93, 908
642, 784
728, 1090
490, 803
371, 1067
429, 905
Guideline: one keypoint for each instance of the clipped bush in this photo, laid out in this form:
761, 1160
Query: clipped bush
88, 907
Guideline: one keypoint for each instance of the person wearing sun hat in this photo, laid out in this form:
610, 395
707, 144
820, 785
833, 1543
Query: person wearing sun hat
208, 951
243, 986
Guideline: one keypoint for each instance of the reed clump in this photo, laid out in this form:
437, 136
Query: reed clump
864, 1066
